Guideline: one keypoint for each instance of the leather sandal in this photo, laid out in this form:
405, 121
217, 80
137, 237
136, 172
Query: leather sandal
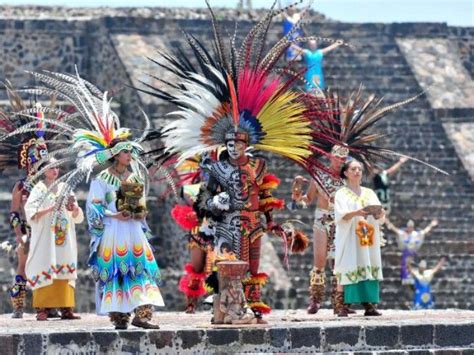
42, 314
67, 313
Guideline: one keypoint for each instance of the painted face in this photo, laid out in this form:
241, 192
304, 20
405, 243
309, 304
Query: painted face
236, 149
124, 157
354, 171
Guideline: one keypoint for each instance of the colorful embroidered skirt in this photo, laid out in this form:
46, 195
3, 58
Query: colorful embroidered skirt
126, 270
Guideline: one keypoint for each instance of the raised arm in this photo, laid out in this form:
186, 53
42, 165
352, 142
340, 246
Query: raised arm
392, 227
393, 169
429, 227
440, 264
299, 50
331, 47
304, 200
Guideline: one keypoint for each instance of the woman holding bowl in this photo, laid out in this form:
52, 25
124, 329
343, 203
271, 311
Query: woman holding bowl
358, 265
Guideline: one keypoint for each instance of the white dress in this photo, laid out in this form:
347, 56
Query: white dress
122, 260
53, 251
357, 240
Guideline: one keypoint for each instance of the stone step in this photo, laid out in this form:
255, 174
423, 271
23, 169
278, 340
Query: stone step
287, 332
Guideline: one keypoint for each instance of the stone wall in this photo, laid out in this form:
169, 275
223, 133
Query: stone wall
41, 45
464, 38
108, 49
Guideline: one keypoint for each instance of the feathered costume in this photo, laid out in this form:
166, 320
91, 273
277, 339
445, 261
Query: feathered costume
25, 149
237, 95
121, 258
200, 234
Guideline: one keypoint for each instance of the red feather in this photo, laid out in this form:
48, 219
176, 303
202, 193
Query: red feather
271, 178
255, 89
185, 217
235, 105
192, 283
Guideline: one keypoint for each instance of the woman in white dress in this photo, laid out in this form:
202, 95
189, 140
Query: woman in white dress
51, 267
358, 264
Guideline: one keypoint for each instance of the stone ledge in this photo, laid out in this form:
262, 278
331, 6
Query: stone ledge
450, 331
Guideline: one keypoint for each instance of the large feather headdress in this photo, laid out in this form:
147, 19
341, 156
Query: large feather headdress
234, 90
25, 132
92, 130
349, 125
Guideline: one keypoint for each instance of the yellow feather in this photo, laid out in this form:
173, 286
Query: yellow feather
286, 133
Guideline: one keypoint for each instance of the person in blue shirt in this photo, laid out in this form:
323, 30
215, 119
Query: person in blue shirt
291, 18
313, 58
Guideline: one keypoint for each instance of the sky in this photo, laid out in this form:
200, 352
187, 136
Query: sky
454, 12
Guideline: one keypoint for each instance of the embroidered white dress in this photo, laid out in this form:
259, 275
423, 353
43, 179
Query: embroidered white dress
357, 240
53, 251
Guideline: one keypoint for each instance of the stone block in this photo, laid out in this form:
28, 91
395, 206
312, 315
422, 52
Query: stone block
79, 338
161, 338
305, 337
131, 340
416, 334
383, 336
19, 25
9, 344
33, 343
222, 336
190, 338
341, 335
454, 335
253, 336
105, 339
278, 336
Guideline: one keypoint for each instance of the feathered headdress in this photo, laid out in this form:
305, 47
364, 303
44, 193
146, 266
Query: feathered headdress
348, 126
93, 129
25, 132
234, 93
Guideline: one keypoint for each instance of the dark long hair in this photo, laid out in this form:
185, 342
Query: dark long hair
346, 165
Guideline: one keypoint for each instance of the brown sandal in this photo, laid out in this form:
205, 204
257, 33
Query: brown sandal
42, 314
339, 307
145, 324
370, 310
143, 316
120, 320
67, 313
